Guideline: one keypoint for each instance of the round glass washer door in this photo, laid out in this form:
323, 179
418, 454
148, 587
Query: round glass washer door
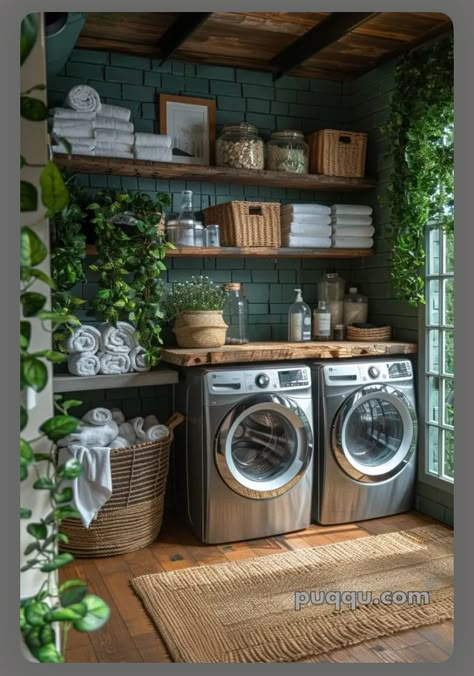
374, 433
264, 446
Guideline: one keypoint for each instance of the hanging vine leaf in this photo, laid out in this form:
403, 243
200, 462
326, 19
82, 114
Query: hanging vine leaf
29, 33
97, 614
28, 196
33, 109
59, 426
32, 250
54, 193
32, 302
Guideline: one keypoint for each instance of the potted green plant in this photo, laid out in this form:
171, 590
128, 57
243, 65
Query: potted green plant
196, 307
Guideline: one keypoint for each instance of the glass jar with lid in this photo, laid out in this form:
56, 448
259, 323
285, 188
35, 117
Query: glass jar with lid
239, 146
287, 151
236, 314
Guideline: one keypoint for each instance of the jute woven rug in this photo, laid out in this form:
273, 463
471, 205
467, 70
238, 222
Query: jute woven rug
244, 611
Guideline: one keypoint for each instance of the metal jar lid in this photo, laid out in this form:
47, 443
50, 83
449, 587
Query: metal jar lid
287, 134
232, 286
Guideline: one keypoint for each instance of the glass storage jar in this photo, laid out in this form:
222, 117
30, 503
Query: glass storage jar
288, 151
236, 314
239, 146
331, 289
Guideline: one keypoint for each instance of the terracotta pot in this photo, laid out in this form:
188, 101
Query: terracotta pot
200, 328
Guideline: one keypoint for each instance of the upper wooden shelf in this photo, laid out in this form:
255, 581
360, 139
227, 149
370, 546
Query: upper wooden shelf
85, 164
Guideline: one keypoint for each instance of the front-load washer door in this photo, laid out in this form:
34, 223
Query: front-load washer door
263, 446
374, 433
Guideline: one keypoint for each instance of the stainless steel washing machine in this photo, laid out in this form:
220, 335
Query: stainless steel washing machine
365, 415
244, 464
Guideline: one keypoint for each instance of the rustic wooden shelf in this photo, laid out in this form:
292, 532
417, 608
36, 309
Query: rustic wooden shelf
69, 383
284, 351
85, 164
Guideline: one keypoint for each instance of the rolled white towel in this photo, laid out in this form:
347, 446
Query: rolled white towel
145, 140
355, 231
306, 229
102, 122
97, 416
114, 153
137, 359
83, 98
120, 338
150, 421
306, 242
92, 435
119, 112
313, 219
137, 425
109, 135
70, 114
84, 339
352, 209
352, 242
107, 146
306, 208
76, 149
117, 415
157, 432
114, 363
83, 364
119, 442
72, 129
354, 219
154, 154
127, 432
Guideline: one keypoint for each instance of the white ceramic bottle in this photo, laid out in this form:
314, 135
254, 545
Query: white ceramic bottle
299, 320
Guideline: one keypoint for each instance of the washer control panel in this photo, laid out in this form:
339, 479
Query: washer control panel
255, 380
370, 372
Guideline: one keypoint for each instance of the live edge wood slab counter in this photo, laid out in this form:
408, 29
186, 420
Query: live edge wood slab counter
283, 351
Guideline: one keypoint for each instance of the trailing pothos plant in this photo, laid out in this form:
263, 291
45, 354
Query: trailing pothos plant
421, 185
70, 604
131, 250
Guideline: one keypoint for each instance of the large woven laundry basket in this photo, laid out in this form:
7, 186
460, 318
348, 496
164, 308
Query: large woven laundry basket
131, 519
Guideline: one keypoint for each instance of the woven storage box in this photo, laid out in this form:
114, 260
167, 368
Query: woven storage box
337, 153
377, 333
131, 519
246, 223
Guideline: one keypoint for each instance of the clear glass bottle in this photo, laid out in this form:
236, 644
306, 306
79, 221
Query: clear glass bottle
321, 322
236, 314
287, 151
186, 215
240, 146
331, 289
356, 307
299, 320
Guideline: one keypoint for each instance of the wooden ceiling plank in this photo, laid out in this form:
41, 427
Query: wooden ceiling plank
179, 32
316, 39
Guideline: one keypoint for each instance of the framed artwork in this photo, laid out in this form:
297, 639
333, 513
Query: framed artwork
191, 123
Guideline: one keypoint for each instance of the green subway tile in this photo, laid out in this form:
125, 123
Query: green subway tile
86, 71
149, 111
63, 84
259, 263
258, 332
279, 332
243, 276
286, 95
258, 309
261, 120
190, 69
264, 276
258, 293
129, 61
128, 75
300, 110
138, 93
89, 56
145, 125
177, 68
279, 108
288, 122
237, 191
227, 117
216, 72
264, 318
158, 67
152, 79
114, 182
129, 182
255, 92
229, 263
209, 264
147, 184
179, 275
287, 276
196, 85
258, 106
327, 86
230, 103
278, 308
226, 88
191, 264
199, 94
174, 83
219, 276
97, 181
251, 191
289, 82
110, 89
254, 77
276, 293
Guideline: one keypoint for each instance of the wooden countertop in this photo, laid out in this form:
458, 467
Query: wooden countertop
283, 351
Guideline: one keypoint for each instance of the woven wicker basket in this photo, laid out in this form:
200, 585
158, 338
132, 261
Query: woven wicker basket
377, 333
246, 223
131, 519
337, 153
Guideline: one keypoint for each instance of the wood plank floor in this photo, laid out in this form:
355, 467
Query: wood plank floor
130, 636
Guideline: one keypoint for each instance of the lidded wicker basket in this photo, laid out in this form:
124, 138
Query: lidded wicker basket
246, 223
338, 153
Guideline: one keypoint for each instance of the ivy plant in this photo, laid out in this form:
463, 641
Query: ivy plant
421, 185
71, 604
131, 253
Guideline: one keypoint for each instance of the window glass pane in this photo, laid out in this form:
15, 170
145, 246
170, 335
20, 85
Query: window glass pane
434, 251
433, 302
448, 352
433, 350
448, 465
449, 252
433, 399
448, 290
433, 449
448, 412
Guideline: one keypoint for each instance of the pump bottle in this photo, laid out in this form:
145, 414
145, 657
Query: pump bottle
299, 320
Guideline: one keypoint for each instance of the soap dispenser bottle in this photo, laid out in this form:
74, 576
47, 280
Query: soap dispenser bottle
299, 320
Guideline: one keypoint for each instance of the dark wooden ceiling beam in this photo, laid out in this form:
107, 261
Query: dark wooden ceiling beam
179, 32
313, 41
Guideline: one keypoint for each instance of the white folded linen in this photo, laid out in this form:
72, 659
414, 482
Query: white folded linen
146, 140
306, 208
307, 230
155, 154
83, 364
83, 339
97, 416
70, 114
306, 242
73, 129
91, 435
153, 429
356, 231
83, 98
76, 149
109, 135
108, 146
93, 487
120, 338
117, 415
114, 153
119, 112
119, 442
352, 242
114, 363
137, 424
352, 209
103, 122
127, 432
137, 359
313, 219
351, 219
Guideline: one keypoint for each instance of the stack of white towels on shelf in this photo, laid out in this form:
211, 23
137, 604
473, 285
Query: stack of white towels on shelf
155, 147
107, 349
100, 430
352, 226
306, 225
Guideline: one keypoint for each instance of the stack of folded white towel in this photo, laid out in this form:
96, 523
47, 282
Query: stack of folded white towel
306, 225
108, 349
100, 430
156, 147
352, 226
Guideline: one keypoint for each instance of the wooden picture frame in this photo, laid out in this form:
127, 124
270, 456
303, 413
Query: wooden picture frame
195, 149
